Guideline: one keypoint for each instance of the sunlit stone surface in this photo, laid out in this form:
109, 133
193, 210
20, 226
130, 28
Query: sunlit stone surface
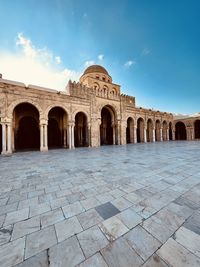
48, 206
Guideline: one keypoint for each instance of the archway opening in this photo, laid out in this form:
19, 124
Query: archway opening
26, 127
170, 132
180, 129
80, 130
0, 138
57, 128
106, 129
149, 130
197, 129
164, 131
130, 131
157, 131
140, 130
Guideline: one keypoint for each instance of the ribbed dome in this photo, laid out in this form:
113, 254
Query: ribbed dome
95, 68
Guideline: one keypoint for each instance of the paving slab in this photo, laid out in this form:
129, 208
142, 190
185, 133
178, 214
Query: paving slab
113, 228
107, 210
92, 241
67, 228
26, 227
89, 218
51, 217
142, 242
39, 260
94, 261
120, 254
73, 209
130, 218
189, 240
39, 241
176, 255
155, 261
15, 255
66, 254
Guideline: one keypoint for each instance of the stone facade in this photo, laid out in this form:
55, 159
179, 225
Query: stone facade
92, 112
187, 128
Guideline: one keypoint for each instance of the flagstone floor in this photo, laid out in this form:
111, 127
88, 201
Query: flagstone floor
114, 206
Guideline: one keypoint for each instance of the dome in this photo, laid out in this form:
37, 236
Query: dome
95, 68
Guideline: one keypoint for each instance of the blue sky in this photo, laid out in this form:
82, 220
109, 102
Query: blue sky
150, 48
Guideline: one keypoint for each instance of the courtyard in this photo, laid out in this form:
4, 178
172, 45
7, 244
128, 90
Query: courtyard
113, 206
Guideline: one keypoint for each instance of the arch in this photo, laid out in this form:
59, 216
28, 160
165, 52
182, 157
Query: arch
50, 107
57, 127
197, 129
130, 131
107, 131
180, 131
81, 130
26, 133
20, 101
140, 130
149, 130
0, 138
164, 130
157, 130
170, 131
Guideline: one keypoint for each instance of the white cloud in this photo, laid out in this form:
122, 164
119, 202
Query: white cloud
101, 57
32, 65
129, 63
58, 60
146, 51
89, 63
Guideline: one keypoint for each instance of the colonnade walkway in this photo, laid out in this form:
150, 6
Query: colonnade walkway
131, 205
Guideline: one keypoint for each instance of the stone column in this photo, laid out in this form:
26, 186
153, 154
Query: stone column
173, 135
118, 133
113, 127
154, 135
89, 134
45, 134
3, 139
167, 134
145, 135
72, 135
65, 137
9, 139
135, 135
69, 136
161, 135
41, 137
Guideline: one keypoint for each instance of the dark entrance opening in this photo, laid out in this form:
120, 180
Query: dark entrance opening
0, 138
130, 131
26, 127
180, 131
56, 119
149, 130
54, 134
197, 129
106, 130
28, 134
80, 130
140, 130
170, 131
157, 131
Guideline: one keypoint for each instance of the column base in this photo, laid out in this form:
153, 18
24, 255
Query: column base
6, 153
44, 149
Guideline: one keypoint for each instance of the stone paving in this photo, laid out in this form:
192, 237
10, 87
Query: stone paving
114, 206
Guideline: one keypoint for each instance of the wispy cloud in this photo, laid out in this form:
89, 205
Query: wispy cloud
32, 65
101, 57
129, 63
146, 51
89, 63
